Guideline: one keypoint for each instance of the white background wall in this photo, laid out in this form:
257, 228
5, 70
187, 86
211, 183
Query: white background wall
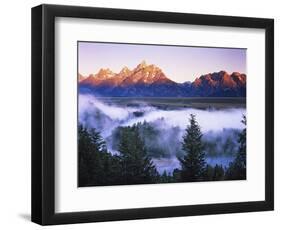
15, 114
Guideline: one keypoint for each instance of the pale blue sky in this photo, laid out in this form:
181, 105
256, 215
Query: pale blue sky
179, 63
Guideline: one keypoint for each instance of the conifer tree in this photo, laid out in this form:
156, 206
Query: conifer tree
218, 173
137, 167
84, 148
94, 161
237, 169
241, 157
193, 163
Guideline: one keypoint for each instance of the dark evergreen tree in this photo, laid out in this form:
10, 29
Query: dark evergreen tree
209, 173
241, 157
218, 173
193, 163
237, 169
176, 175
137, 167
85, 147
112, 169
96, 165
166, 177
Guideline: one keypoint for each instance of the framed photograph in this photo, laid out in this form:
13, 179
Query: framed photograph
142, 114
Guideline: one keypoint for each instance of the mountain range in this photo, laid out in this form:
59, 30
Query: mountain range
148, 80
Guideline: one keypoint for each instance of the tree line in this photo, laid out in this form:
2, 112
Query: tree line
132, 165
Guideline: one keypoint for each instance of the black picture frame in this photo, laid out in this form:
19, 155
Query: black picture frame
43, 114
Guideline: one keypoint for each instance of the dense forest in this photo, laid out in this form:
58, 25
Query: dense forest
133, 164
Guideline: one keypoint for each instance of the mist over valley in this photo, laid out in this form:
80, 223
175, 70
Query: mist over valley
162, 127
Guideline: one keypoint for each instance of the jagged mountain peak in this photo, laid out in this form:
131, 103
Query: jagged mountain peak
149, 80
212, 82
104, 73
143, 73
81, 77
125, 70
142, 65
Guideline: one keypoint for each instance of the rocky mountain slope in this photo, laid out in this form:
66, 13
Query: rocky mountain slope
147, 80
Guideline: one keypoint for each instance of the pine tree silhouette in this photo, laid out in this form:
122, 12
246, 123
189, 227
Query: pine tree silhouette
237, 169
193, 163
137, 167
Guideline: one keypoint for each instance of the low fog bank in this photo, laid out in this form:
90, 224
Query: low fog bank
162, 130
